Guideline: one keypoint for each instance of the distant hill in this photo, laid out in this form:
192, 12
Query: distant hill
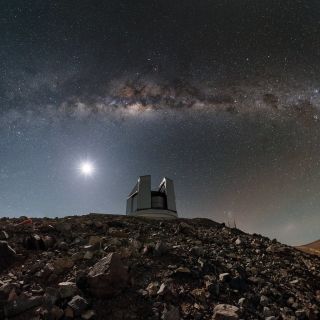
313, 248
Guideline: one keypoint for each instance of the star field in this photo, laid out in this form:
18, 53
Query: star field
221, 96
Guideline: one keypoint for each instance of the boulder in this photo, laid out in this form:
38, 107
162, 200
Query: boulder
51, 296
34, 242
197, 251
7, 255
5, 250
160, 249
78, 304
186, 229
67, 289
108, 277
4, 235
225, 312
62, 264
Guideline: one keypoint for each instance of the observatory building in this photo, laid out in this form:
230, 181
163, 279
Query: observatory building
144, 202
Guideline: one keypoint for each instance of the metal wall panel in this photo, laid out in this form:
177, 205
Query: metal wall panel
144, 193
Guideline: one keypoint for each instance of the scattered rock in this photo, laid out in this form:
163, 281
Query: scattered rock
162, 289
62, 264
88, 255
182, 270
99, 267
108, 276
160, 249
224, 277
225, 312
67, 289
267, 312
6, 251
7, 255
21, 305
186, 228
301, 314
152, 288
64, 227
56, 313
238, 283
241, 302
197, 251
95, 241
78, 304
69, 312
171, 313
4, 235
87, 315
264, 301
51, 296
34, 242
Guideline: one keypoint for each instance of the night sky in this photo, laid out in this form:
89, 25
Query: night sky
221, 96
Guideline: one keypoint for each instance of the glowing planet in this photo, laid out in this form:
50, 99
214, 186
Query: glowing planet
86, 168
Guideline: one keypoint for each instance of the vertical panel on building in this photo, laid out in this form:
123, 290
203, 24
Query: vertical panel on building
144, 194
171, 202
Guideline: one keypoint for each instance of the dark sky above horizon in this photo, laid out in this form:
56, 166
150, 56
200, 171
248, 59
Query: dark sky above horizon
222, 96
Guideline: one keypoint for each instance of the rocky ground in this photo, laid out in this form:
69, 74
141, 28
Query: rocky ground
118, 267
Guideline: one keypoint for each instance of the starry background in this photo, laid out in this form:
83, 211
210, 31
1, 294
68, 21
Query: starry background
222, 96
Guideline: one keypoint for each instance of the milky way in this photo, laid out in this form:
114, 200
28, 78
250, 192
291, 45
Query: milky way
221, 96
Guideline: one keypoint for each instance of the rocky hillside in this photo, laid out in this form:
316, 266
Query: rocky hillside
117, 267
313, 248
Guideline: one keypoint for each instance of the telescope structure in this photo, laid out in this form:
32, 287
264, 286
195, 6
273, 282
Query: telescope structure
144, 202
